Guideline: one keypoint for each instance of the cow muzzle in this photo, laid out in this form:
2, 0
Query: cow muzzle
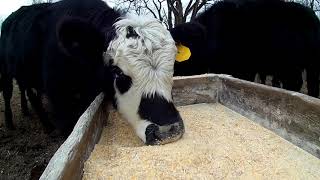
159, 135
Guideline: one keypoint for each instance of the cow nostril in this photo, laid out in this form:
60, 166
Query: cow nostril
169, 133
151, 134
172, 129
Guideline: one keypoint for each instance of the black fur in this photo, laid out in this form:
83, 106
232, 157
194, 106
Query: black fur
123, 83
246, 37
158, 110
131, 33
56, 49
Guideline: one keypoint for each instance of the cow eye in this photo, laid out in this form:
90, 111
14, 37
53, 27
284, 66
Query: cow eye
116, 70
131, 32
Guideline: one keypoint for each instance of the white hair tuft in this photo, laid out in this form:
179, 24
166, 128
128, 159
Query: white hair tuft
148, 59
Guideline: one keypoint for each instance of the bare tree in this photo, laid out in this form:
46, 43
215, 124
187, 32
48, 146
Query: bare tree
41, 1
181, 14
174, 12
169, 12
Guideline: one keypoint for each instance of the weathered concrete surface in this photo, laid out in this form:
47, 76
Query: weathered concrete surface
196, 89
67, 163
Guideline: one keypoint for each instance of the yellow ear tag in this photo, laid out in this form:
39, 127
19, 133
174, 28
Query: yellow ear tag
183, 54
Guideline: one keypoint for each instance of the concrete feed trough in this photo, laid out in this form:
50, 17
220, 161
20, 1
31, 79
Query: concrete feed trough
293, 116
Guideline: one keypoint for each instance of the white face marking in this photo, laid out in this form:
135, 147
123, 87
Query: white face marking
128, 104
148, 60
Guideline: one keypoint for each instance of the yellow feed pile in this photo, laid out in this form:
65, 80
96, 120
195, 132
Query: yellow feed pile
218, 144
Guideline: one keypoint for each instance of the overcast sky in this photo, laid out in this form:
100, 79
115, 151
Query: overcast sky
8, 6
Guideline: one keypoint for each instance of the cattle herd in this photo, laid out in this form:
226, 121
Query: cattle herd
70, 51
248, 37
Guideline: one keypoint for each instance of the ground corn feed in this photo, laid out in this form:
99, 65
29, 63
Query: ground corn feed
218, 144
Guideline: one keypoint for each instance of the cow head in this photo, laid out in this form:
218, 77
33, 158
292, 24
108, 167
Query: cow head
191, 34
194, 36
142, 56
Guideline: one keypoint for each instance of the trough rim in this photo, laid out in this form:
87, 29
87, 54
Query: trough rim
60, 160
57, 166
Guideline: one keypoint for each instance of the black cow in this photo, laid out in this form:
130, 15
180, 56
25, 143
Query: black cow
72, 50
33, 52
246, 37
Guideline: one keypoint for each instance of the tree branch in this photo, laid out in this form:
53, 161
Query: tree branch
146, 5
169, 15
158, 9
171, 3
165, 17
201, 4
188, 8
195, 9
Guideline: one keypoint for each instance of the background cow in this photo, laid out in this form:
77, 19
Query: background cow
246, 37
57, 50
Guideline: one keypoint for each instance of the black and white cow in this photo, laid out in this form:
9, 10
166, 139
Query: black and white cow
72, 50
246, 37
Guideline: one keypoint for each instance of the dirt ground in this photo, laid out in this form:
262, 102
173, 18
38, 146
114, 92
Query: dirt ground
25, 152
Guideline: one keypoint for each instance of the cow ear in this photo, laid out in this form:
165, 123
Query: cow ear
79, 38
188, 37
189, 34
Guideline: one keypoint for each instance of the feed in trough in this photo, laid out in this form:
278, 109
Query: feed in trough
218, 143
